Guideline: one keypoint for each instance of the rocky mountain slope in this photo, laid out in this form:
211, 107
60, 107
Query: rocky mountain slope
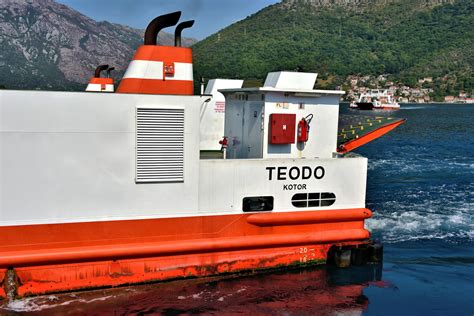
47, 45
406, 39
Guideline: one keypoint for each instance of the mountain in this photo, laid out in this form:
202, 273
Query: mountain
406, 39
47, 45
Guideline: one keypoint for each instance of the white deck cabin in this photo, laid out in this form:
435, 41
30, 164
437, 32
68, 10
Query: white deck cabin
77, 157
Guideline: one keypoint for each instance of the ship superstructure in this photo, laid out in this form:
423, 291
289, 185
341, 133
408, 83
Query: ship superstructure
105, 189
375, 99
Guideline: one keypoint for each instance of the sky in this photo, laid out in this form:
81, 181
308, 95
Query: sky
210, 15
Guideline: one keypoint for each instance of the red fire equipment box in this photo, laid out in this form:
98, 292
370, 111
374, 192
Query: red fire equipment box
282, 128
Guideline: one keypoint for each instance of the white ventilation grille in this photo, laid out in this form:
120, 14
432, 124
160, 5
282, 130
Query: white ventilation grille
160, 145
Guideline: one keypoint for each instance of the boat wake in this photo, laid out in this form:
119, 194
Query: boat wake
411, 226
424, 200
421, 107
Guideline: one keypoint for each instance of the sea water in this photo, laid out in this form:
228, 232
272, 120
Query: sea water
420, 188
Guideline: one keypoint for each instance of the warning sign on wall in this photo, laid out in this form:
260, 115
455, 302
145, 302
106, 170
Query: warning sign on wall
219, 107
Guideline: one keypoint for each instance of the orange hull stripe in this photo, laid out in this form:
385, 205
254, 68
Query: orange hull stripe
367, 138
153, 86
167, 54
101, 80
2, 282
299, 218
155, 249
31, 237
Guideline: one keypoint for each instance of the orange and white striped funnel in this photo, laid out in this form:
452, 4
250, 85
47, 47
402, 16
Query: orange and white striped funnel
160, 69
98, 84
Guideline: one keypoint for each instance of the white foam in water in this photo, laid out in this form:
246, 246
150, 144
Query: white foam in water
417, 165
24, 305
432, 212
423, 222
207, 295
243, 289
422, 204
36, 304
413, 107
198, 295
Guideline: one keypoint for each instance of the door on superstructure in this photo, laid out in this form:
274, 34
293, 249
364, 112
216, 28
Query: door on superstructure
233, 128
253, 130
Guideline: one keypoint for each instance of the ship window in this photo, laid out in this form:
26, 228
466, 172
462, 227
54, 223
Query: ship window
327, 195
327, 202
257, 204
314, 196
159, 145
313, 199
300, 203
300, 196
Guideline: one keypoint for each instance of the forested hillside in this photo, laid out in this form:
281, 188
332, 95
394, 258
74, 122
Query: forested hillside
407, 39
50, 46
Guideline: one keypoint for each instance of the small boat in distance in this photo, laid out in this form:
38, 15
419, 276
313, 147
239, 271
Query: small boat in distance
375, 100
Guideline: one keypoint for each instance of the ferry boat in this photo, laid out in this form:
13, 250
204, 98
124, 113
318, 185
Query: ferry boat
375, 100
152, 182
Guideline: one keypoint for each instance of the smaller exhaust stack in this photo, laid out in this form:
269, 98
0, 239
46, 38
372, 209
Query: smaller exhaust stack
160, 69
98, 84
179, 29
